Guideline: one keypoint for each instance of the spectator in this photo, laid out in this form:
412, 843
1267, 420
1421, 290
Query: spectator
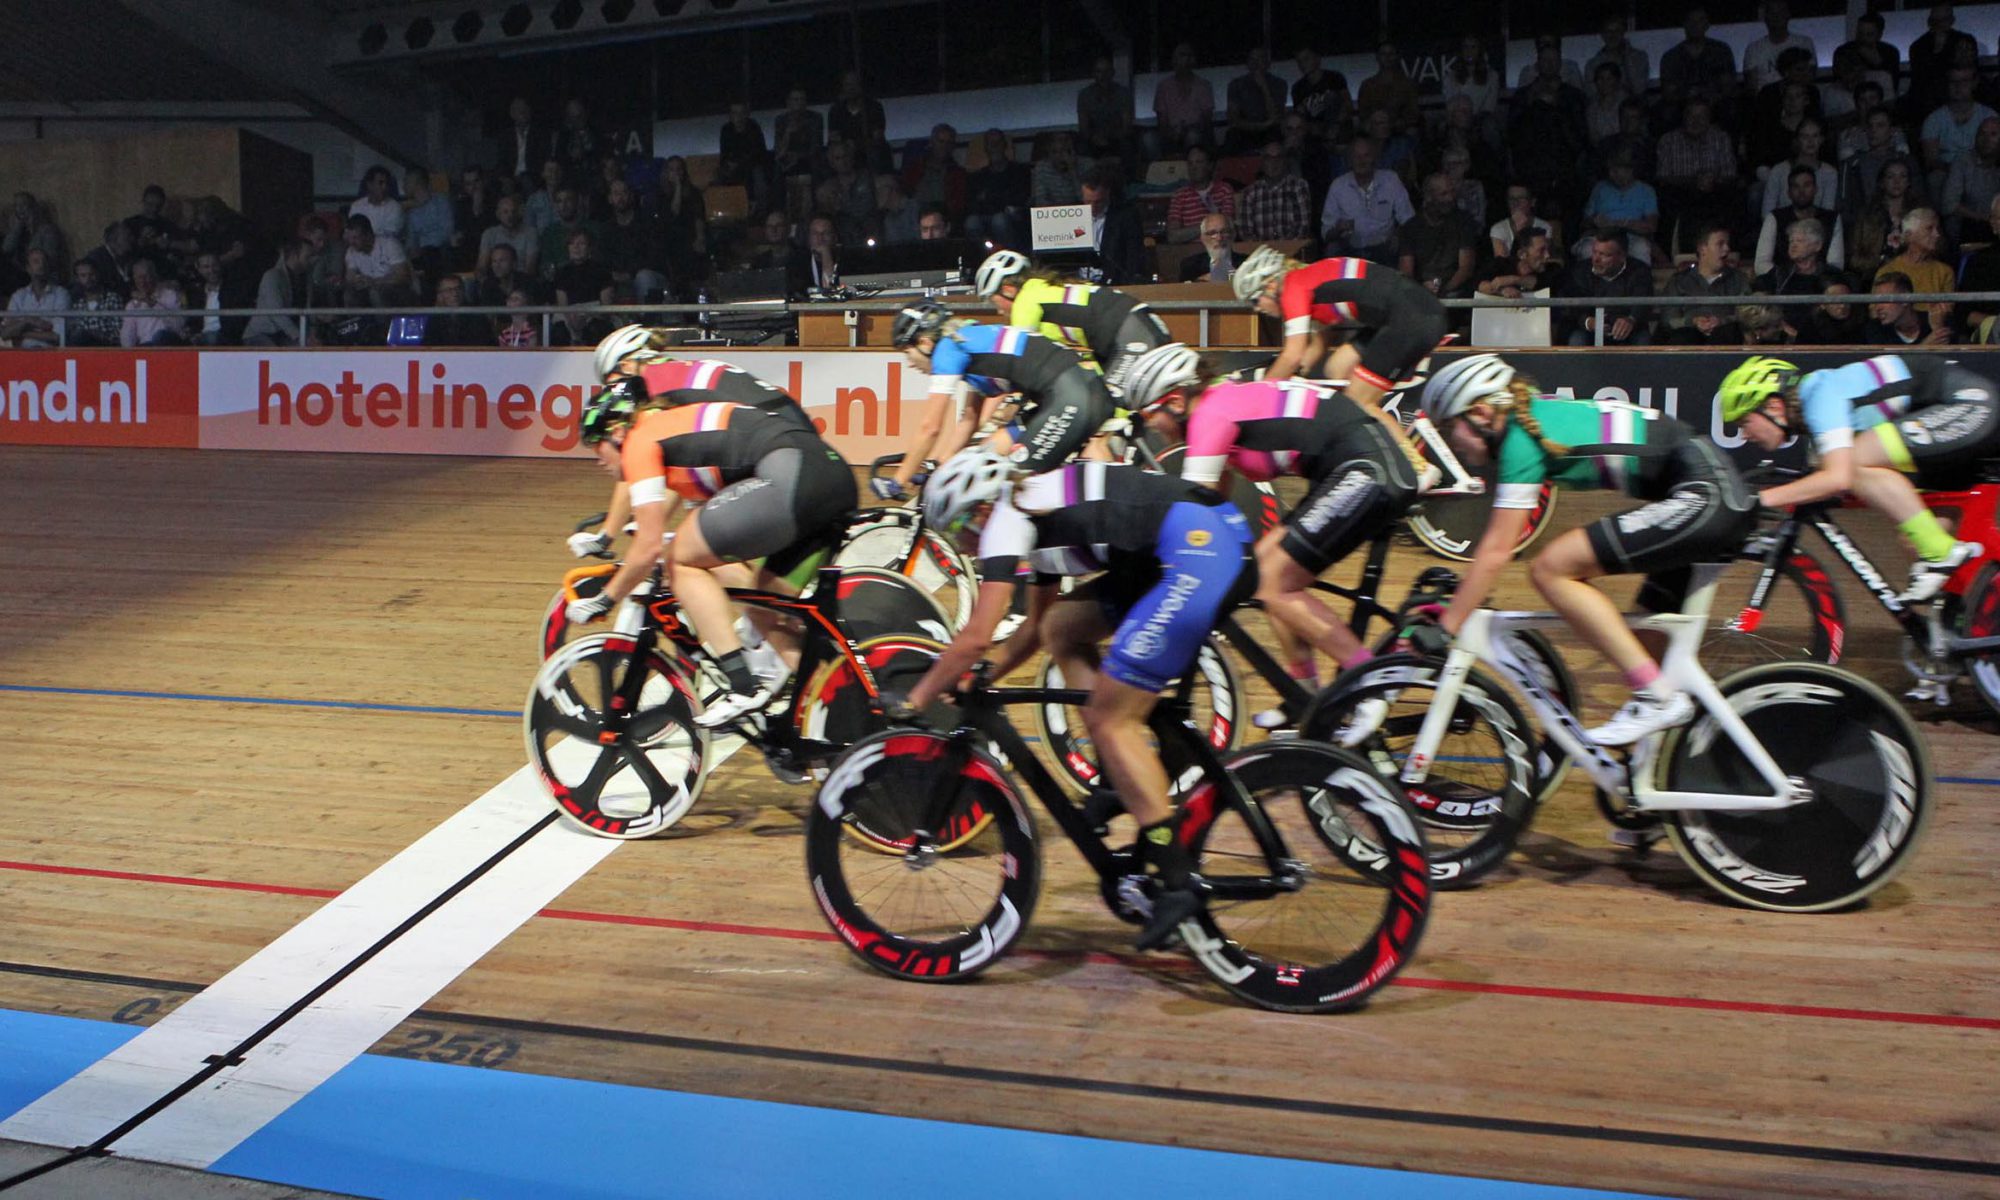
1440, 244
1202, 193
996, 195
1708, 276
1981, 273
1055, 179
1836, 324
521, 331
583, 280
210, 292
1697, 170
1894, 322
847, 192
29, 228
1952, 128
1919, 261
896, 214
1808, 152
933, 223
610, 170
326, 277
456, 328
1803, 271
113, 257
1121, 247
1104, 113
1600, 115
1804, 206
630, 245
744, 160
1456, 162
524, 145
552, 245
1320, 96
775, 250
1763, 325
1878, 234
1971, 184
151, 294
936, 178
539, 209
1627, 204
854, 116
1547, 140
284, 286
798, 135
1778, 110
1524, 271
1255, 101
823, 252
1215, 262
1840, 98
1276, 207
1549, 63
24, 326
1364, 208
379, 203
471, 214
1878, 61
1633, 141
1933, 58
222, 231
1519, 219
1390, 90
1473, 76
1393, 151
378, 272
1634, 68
1861, 173
88, 292
1183, 106
428, 225
509, 229
1478, 135
575, 142
1309, 158
1608, 273
1699, 67
1760, 58
152, 233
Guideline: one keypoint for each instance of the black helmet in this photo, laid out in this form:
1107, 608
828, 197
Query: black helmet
918, 320
609, 409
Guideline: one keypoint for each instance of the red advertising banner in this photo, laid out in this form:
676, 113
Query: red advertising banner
99, 398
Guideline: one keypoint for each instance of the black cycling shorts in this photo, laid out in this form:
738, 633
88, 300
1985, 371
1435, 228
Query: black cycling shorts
1370, 484
1948, 440
1390, 353
797, 499
1140, 331
1705, 516
1062, 420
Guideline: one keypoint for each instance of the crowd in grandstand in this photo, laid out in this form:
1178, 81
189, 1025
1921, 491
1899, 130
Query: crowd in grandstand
1696, 176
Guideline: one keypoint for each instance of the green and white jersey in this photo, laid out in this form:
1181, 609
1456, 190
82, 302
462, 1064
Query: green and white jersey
1612, 445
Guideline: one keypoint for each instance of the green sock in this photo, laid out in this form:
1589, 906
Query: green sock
1927, 537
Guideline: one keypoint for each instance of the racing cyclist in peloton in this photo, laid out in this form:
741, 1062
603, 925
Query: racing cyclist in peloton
1109, 326
1698, 510
1880, 428
1174, 558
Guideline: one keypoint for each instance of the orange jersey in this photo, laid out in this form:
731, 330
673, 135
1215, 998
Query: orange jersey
699, 449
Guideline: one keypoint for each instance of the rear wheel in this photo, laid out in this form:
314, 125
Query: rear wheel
884, 538
1217, 697
1449, 526
1980, 617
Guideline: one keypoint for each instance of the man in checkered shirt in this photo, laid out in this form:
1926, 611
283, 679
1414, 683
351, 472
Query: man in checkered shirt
1278, 205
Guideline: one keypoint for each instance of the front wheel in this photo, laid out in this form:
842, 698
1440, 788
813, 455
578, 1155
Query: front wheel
1851, 745
1764, 613
1980, 617
1351, 897
1217, 699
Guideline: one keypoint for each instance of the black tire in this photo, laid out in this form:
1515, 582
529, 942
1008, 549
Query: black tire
1800, 617
877, 539
651, 775
1449, 526
1217, 698
983, 891
1850, 742
1979, 616
1331, 943
1477, 797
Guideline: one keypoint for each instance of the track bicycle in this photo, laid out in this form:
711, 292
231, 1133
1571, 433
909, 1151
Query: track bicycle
1798, 787
1313, 867
1794, 611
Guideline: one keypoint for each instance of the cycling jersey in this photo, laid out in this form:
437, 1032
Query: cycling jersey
1064, 404
1612, 445
1405, 320
1264, 430
698, 449
1934, 418
1098, 321
691, 381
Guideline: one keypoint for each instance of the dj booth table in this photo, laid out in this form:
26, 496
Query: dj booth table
1212, 316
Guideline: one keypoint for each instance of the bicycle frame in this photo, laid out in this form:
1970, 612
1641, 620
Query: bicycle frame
1483, 638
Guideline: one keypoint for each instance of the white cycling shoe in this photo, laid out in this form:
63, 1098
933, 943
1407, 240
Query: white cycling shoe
1007, 627
1366, 719
734, 706
1928, 578
1645, 713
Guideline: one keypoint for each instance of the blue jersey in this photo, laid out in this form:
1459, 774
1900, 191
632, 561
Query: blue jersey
983, 355
1837, 403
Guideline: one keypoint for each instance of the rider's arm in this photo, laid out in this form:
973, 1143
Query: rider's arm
1835, 477
995, 599
935, 409
650, 518
1028, 638
619, 511
1292, 356
1494, 552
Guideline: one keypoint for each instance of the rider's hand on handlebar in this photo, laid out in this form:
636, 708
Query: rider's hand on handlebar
900, 711
976, 679
589, 608
587, 544
886, 488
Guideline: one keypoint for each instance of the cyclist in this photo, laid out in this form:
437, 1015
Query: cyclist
1064, 402
1880, 428
1174, 557
1358, 475
767, 489
1698, 509
1107, 325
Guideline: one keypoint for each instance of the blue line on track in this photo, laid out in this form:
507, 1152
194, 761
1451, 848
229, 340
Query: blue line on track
279, 701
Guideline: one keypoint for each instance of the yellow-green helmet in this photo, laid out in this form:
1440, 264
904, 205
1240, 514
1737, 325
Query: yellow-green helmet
1755, 380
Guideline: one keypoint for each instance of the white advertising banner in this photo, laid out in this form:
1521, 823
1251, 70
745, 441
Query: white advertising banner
1061, 227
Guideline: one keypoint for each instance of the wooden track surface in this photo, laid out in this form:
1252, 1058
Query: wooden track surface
1582, 1018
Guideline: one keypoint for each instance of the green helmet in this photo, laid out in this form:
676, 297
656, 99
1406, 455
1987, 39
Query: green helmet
1757, 379
609, 409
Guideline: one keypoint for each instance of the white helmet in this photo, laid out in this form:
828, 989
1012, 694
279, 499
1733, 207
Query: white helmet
968, 479
999, 267
1159, 371
1464, 383
1256, 273
619, 345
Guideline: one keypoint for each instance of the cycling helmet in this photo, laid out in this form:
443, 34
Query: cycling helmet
1463, 383
999, 267
619, 345
1755, 380
609, 409
969, 479
1256, 273
926, 317
1159, 371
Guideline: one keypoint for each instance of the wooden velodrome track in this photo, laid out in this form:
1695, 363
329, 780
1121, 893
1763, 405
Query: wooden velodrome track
1582, 1018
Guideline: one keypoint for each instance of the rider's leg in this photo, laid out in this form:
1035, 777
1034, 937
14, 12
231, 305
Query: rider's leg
1116, 717
1345, 508
1072, 629
1283, 587
690, 567
1560, 573
1880, 462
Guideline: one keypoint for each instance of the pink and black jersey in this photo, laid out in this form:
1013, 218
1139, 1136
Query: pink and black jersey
698, 380
1264, 430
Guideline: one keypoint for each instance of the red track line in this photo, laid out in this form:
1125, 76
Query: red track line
814, 935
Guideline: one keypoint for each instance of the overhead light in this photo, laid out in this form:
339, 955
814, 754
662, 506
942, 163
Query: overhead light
467, 26
515, 21
419, 34
566, 14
